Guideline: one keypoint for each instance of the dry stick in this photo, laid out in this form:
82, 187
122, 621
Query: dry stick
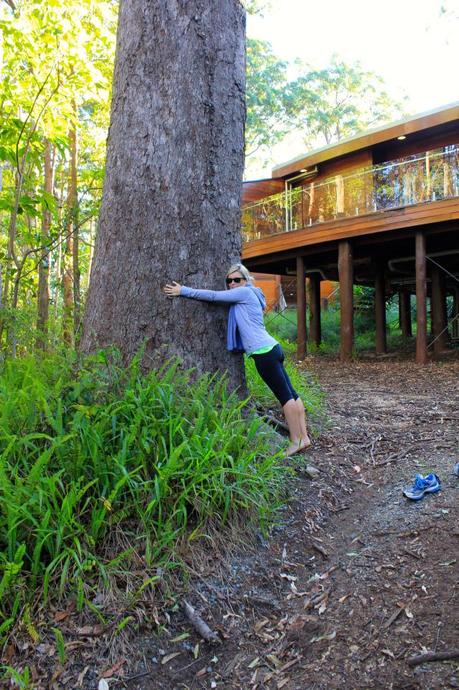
277, 422
433, 656
199, 625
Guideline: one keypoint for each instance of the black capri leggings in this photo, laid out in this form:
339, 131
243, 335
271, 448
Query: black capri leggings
270, 366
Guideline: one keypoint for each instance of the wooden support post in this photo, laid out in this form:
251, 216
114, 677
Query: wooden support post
346, 280
455, 320
404, 313
301, 308
314, 309
439, 318
421, 299
380, 310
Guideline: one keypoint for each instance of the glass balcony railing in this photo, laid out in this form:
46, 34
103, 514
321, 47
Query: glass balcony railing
431, 176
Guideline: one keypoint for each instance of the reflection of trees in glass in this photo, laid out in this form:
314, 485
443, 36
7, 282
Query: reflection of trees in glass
429, 177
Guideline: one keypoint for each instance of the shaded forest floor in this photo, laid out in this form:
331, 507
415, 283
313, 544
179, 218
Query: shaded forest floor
352, 582
356, 579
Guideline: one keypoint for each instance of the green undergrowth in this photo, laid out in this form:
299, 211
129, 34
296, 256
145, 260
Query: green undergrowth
283, 326
105, 471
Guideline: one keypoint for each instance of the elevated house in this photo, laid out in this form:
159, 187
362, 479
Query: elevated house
379, 209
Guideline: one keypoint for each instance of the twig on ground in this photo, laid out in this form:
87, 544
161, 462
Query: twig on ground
319, 548
433, 656
129, 679
276, 422
199, 624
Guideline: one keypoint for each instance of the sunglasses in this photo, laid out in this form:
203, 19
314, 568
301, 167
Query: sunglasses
233, 280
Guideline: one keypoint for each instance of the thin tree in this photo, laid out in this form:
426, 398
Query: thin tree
171, 200
71, 269
43, 266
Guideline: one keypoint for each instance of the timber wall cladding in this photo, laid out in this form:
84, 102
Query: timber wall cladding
346, 165
270, 284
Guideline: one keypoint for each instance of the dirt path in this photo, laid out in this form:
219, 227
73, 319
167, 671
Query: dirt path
356, 579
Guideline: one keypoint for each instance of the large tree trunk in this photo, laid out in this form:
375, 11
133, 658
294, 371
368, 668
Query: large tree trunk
171, 199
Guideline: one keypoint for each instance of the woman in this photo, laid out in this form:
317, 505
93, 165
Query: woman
247, 333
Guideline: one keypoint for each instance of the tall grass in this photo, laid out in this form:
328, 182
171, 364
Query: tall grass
102, 467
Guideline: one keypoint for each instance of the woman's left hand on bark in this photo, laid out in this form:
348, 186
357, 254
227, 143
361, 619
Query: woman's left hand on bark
172, 290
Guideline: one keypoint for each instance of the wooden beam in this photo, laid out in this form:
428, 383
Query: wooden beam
380, 310
404, 313
421, 299
439, 318
301, 308
314, 309
346, 280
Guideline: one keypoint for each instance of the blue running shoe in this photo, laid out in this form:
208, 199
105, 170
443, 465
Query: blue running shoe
429, 484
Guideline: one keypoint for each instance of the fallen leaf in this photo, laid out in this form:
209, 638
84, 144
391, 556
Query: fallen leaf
283, 682
290, 578
202, 672
387, 652
254, 662
81, 676
274, 660
329, 636
113, 669
169, 657
289, 664
90, 630
258, 626
181, 637
322, 608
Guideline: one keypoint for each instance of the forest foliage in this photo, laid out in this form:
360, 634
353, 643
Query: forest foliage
57, 63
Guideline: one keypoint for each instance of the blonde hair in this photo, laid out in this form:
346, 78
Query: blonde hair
242, 270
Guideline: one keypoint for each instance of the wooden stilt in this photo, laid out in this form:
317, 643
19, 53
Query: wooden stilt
301, 307
439, 318
404, 313
455, 319
380, 310
314, 309
346, 280
421, 299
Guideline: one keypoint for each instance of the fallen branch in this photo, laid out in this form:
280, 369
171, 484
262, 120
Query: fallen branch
275, 422
433, 656
199, 624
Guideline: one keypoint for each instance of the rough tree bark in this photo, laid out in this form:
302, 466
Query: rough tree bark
171, 200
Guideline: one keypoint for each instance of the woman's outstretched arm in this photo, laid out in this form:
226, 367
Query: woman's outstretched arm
233, 296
